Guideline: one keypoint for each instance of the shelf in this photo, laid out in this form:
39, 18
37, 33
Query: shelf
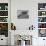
4, 19
42, 19
3, 10
41, 22
3, 22
3, 16
41, 28
42, 16
41, 10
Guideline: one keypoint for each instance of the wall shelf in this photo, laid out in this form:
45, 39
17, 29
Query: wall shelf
3, 10
41, 28
42, 19
41, 22
3, 22
3, 16
42, 16
4, 19
42, 10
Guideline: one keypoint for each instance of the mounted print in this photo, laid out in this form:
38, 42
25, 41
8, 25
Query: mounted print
22, 14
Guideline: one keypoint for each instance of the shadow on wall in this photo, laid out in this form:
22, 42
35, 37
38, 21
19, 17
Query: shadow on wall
13, 27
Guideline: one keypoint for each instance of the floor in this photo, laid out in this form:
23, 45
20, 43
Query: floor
3, 45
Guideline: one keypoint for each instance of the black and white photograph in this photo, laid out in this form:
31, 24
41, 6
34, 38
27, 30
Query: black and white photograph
22, 14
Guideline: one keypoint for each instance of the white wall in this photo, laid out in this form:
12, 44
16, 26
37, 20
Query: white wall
32, 6
23, 24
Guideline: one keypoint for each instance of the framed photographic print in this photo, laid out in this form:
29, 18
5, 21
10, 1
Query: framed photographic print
22, 14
